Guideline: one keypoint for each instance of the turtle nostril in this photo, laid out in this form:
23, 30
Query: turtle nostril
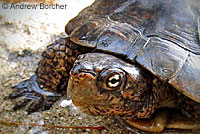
86, 75
89, 72
79, 68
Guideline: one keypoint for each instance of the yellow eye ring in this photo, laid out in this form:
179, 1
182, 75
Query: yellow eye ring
113, 81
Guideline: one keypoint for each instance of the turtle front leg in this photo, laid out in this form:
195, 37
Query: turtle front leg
50, 79
164, 119
184, 123
156, 123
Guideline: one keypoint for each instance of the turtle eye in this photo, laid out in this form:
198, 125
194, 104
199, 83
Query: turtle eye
113, 81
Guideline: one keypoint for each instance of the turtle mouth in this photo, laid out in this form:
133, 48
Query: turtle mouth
93, 109
79, 103
97, 109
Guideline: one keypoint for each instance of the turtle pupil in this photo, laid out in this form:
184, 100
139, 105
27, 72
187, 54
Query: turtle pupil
113, 81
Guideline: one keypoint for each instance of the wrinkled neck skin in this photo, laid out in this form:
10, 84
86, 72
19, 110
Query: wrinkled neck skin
138, 95
163, 94
149, 94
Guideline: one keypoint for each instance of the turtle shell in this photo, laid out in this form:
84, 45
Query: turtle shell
160, 35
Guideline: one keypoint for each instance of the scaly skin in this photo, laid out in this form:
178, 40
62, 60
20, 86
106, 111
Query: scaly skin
51, 77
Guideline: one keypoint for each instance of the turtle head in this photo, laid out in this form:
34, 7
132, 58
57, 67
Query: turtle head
101, 84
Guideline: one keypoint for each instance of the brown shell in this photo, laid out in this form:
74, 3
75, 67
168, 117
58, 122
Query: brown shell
160, 35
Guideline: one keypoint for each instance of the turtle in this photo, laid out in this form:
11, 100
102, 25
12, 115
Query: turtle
137, 60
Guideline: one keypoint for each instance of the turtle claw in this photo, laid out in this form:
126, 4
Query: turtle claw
30, 96
16, 94
20, 104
